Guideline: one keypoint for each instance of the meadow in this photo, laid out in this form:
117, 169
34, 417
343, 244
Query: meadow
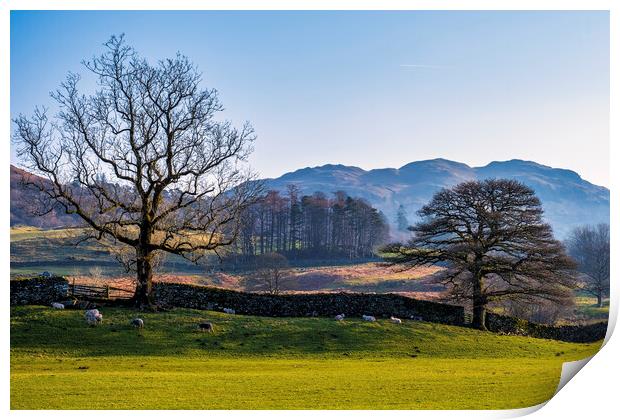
273, 363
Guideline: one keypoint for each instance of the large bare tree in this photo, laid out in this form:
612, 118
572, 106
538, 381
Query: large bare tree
142, 160
589, 246
491, 237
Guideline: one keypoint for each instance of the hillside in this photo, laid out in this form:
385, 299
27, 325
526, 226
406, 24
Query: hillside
23, 202
568, 200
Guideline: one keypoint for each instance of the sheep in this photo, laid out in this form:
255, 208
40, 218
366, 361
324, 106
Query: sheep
137, 323
396, 320
229, 311
206, 326
57, 305
339, 317
369, 318
93, 317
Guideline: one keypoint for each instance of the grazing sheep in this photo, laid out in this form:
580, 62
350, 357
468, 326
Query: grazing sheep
229, 311
93, 317
57, 305
339, 317
369, 318
416, 318
206, 326
396, 320
137, 323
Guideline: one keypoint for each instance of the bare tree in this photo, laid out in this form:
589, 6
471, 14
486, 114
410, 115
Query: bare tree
270, 272
142, 161
492, 238
589, 246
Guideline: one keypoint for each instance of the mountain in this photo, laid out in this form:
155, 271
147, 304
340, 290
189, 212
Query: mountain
568, 200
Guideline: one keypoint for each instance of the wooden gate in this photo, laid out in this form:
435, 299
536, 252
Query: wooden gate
98, 292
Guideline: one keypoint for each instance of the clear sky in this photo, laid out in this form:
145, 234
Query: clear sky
370, 89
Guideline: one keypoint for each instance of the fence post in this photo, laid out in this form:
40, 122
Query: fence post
107, 291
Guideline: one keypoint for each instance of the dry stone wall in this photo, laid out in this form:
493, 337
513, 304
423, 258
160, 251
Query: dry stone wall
571, 333
306, 304
38, 290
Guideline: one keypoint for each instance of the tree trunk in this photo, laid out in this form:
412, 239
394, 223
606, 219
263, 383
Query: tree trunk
479, 318
599, 300
143, 297
479, 303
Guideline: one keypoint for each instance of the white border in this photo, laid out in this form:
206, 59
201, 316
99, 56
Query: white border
593, 394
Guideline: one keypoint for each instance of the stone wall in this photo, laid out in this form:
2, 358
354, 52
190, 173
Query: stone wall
311, 304
571, 333
43, 291
38, 290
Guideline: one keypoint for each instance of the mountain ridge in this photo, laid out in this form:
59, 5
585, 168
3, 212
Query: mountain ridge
495, 162
568, 199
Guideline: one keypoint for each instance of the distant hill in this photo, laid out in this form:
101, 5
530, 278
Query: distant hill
568, 199
23, 199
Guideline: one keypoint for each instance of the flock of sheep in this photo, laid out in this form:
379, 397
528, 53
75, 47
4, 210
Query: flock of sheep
93, 317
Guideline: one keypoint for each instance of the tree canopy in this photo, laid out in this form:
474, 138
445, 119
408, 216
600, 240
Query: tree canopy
143, 159
491, 237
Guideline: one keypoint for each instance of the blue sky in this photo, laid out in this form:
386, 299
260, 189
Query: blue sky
370, 89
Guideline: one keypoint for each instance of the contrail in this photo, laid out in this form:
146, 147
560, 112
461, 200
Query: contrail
422, 66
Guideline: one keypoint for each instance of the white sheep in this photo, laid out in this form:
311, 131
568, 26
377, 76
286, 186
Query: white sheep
339, 317
57, 305
229, 311
396, 320
137, 323
369, 318
93, 317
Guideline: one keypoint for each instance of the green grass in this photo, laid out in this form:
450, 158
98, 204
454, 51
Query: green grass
273, 363
34, 250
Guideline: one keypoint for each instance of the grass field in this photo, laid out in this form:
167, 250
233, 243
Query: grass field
273, 363
587, 308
